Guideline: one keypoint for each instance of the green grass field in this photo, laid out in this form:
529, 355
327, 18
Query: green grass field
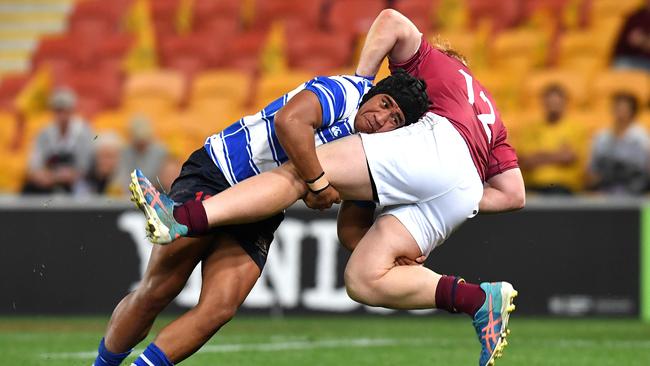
347, 341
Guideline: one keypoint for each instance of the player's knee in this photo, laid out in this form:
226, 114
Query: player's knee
360, 286
215, 316
152, 297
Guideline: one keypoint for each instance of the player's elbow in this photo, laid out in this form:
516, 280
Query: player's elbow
519, 199
392, 21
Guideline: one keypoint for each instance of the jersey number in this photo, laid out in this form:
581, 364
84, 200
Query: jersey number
486, 119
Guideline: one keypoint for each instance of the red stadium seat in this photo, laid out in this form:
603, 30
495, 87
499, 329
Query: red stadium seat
501, 14
163, 13
243, 51
207, 13
420, 12
10, 86
195, 46
61, 55
95, 90
354, 16
267, 11
319, 51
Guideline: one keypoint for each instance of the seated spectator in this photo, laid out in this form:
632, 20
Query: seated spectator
142, 151
632, 50
102, 177
550, 150
62, 151
620, 154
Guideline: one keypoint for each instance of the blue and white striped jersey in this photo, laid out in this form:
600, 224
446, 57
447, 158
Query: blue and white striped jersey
250, 145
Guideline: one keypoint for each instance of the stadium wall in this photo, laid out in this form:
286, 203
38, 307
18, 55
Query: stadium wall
567, 257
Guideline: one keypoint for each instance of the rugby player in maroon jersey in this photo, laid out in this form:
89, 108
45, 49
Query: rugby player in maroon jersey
429, 177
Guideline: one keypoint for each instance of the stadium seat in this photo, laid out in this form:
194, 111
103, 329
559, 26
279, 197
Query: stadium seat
209, 13
467, 43
96, 90
273, 86
605, 10
318, 51
354, 17
244, 49
608, 83
154, 92
522, 49
499, 14
268, 11
579, 52
191, 53
163, 16
61, 54
421, 12
115, 120
234, 85
574, 84
10, 86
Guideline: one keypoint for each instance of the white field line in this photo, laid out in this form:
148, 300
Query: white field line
273, 346
374, 342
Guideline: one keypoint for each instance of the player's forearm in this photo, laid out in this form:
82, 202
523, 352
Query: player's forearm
495, 201
391, 34
297, 140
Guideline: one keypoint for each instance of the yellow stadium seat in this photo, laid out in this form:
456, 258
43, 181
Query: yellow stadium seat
604, 9
273, 86
154, 91
502, 84
608, 83
7, 128
573, 83
466, 43
113, 120
232, 84
521, 49
584, 51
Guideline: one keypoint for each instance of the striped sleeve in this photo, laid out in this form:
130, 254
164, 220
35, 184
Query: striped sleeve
339, 96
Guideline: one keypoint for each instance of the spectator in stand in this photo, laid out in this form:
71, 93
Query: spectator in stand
620, 154
142, 152
550, 150
102, 177
63, 150
632, 49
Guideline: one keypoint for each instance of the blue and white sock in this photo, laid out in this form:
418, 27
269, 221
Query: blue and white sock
108, 358
152, 356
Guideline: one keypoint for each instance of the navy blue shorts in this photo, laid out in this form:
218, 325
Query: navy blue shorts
200, 179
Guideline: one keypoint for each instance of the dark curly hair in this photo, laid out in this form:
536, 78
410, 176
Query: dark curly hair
409, 92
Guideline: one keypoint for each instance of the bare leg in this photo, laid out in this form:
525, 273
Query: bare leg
167, 272
264, 195
372, 278
228, 276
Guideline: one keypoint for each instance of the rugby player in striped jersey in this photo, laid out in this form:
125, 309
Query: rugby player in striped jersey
317, 112
430, 177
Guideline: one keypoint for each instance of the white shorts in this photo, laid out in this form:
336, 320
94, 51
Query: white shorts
425, 177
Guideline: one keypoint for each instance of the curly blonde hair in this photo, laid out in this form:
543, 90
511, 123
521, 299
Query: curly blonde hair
443, 45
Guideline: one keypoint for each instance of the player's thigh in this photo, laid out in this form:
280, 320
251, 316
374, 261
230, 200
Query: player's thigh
344, 163
171, 265
375, 254
229, 274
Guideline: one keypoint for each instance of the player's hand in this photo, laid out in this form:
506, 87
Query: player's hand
404, 261
322, 200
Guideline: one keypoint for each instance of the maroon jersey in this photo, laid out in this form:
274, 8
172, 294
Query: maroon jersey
460, 98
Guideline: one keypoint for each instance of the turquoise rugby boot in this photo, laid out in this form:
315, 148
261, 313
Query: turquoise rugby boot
491, 320
158, 208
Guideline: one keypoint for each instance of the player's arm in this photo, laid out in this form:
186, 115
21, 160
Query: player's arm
504, 192
294, 125
391, 34
354, 221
